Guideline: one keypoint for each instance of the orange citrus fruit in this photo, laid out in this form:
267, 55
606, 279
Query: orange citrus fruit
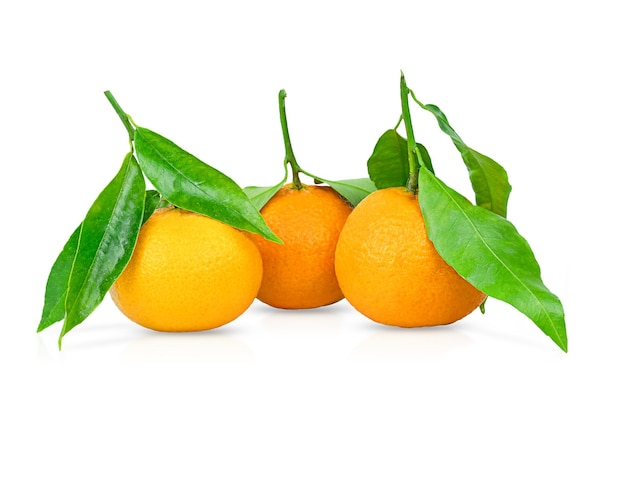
389, 270
300, 273
188, 272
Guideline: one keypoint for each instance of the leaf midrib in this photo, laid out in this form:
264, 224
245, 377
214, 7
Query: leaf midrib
106, 230
176, 170
501, 262
63, 298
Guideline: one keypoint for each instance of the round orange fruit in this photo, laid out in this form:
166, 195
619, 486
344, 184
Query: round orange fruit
300, 273
188, 272
389, 270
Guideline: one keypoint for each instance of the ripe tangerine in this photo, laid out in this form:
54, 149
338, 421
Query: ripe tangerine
390, 271
300, 273
188, 272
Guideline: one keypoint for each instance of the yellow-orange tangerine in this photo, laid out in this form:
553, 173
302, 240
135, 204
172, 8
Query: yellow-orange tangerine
188, 272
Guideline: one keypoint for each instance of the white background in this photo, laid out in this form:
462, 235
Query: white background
321, 398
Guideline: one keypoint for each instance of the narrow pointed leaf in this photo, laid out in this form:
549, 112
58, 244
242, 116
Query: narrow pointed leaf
261, 195
191, 184
389, 164
354, 190
107, 240
489, 179
488, 252
56, 286
58, 280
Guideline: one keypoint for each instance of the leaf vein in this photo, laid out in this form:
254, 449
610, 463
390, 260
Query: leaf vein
508, 269
197, 185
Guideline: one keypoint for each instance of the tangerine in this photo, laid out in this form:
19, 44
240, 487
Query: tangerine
300, 273
188, 272
390, 271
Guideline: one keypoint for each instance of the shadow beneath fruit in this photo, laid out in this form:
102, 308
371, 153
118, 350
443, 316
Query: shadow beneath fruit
394, 344
300, 322
220, 345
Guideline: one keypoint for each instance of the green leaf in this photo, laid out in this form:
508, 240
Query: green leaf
389, 164
152, 202
489, 180
56, 286
261, 195
191, 184
483, 309
164, 203
486, 250
425, 157
354, 190
106, 242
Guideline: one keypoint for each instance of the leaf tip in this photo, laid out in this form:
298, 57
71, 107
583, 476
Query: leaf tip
273, 238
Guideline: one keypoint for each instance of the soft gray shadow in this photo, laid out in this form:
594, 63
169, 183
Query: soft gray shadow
394, 344
220, 345
285, 322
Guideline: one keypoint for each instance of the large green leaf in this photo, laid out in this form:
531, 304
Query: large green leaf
489, 179
106, 242
58, 280
389, 164
488, 252
191, 184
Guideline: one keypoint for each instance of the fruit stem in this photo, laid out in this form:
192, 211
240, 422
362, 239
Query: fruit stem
289, 156
123, 116
414, 165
